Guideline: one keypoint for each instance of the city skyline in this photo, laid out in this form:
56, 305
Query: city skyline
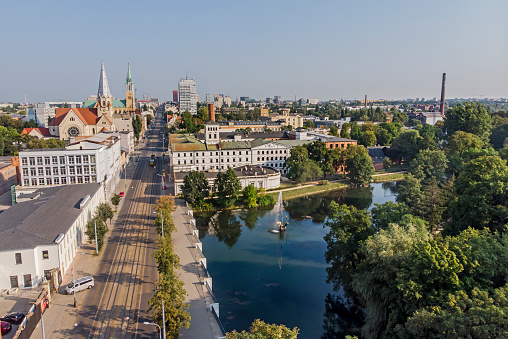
334, 50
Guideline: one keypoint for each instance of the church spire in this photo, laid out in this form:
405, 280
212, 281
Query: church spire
103, 84
129, 77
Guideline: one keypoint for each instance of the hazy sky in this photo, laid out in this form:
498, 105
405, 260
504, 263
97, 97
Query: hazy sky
52, 50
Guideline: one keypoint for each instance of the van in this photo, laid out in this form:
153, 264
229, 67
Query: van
79, 285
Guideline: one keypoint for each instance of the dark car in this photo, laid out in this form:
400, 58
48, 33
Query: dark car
14, 318
6, 327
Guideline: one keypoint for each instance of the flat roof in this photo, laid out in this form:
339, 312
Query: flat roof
39, 221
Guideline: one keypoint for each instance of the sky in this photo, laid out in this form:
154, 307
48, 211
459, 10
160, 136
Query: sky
338, 49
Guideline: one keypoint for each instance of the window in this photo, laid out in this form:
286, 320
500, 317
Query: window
41, 181
14, 281
18, 259
26, 182
87, 180
62, 170
48, 181
93, 179
64, 181
56, 181
28, 280
25, 172
92, 159
34, 182
79, 170
92, 169
45, 254
72, 180
78, 159
85, 159
71, 159
80, 180
55, 170
24, 161
72, 170
54, 160
62, 160
47, 274
32, 161
86, 170
48, 170
33, 172
47, 161
39, 160
40, 171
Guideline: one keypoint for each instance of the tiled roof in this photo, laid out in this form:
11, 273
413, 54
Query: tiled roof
42, 130
87, 115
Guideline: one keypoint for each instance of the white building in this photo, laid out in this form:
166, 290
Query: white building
44, 232
85, 161
257, 176
187, 153
187, 96
42, 112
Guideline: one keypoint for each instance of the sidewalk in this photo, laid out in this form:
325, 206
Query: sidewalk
59, 318
203, 324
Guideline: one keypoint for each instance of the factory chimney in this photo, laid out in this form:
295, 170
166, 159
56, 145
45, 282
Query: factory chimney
442, 107
365, 100
211, 112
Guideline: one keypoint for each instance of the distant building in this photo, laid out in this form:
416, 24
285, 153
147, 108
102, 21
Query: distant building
429, 118
145, 97
187, 96
277, 100
9, 168
175, 96
44, 232
38, 133
209, 99
313, 101
269, 100
41, 113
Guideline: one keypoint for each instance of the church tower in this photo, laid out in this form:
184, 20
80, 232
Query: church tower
104, 98
130, 100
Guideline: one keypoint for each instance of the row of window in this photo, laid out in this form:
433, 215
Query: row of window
48, 171
55, 160
233, 153
232, 160
59, 181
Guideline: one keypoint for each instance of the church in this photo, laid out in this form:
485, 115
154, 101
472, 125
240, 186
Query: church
96, 115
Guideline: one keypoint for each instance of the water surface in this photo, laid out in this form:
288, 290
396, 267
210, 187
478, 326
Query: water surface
282, 280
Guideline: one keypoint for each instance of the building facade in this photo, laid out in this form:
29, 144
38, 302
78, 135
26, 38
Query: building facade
81, 162
43, 112
44, 232
187, 96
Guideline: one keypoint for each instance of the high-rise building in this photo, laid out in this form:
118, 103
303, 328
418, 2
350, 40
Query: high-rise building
209, 99
276, 99
175, 96
145, 97
187, 96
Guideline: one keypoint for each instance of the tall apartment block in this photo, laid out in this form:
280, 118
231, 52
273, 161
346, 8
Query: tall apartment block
187, 96
175, 96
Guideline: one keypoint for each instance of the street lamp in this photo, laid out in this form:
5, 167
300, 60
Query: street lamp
149, 323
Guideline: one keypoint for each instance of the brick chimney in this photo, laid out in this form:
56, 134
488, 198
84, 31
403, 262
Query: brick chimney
211, 112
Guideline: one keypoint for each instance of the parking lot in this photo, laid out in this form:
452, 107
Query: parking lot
21, 302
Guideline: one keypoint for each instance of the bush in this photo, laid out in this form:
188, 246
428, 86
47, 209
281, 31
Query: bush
387, 163
265, 200
323, 182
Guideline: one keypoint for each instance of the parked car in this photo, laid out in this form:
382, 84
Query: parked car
164, 187
14, 318
6, 327
121, 194
81, 284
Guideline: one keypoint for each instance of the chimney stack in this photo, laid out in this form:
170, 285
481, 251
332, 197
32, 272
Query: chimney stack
211, 112
365, 100
442, 107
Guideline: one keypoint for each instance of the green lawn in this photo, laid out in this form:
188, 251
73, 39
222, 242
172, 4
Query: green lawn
299, 192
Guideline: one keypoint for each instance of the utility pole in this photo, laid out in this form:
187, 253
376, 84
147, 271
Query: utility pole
163, 321
96, 248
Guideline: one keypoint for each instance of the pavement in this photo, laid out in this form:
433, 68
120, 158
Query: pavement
203, 323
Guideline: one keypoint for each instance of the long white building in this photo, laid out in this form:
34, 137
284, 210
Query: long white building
84, 161
187, 96
44, 232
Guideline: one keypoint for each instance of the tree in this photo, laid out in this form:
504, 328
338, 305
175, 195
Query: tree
195, 187
359, 169
102, 229
261, 330
471, 118
299, 155
405, 146
148, 119
334, 130
367, 139
309, 124
249, 196
137, 125
2, 145
400, 117
429, 165
344, 131
462, 141
105, 212
227, 187
481, 190
308, 171
498, 136
349, 227
388, 213
115, 200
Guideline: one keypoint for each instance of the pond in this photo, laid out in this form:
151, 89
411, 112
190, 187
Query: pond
278, 279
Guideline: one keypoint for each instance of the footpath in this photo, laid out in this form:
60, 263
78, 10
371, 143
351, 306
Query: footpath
203, 323
59, 319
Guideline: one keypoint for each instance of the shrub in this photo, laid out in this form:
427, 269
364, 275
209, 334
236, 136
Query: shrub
266, 200
323, 182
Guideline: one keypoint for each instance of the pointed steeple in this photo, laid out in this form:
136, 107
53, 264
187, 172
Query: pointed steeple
129, 77
103, 84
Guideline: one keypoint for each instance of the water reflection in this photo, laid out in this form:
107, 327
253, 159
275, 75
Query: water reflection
257, 274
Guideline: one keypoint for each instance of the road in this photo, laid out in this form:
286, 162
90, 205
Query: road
117, 306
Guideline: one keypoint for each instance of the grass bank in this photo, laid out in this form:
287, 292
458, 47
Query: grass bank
307, 190
388, 177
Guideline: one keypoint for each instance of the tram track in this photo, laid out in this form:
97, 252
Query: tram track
117, 314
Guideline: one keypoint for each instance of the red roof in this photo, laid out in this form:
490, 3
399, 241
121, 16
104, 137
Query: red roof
87, 115
42, 130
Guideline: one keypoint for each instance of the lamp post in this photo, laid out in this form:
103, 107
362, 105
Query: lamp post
149, 323
96, 244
